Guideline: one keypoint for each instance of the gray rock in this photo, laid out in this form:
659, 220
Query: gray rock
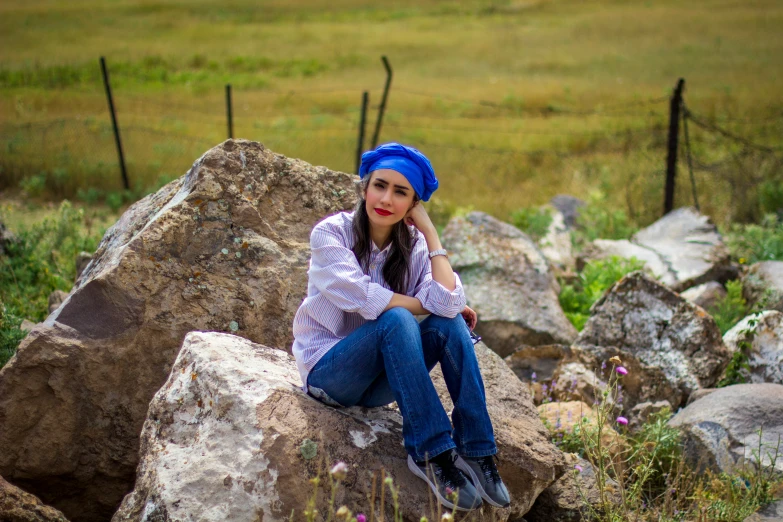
537, 363
642, 412
684, 249
82, 260
556, 245
6, 238
223, 441
721, 430
509, 283
27, 325
706, 295
700, 394
224, 247
568, 206
670, 345
770, 513
762, 285
56, 298
766, 345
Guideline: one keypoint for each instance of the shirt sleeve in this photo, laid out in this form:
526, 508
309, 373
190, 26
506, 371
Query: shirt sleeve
336, 273
433, 295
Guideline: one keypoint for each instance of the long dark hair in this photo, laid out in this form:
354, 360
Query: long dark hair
397, 267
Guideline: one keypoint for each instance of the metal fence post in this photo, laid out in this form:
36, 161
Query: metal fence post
362, 121
229, 114
382, 108
671, 156
117, 139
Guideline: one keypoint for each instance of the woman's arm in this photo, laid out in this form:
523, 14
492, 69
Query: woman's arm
411, 304
441, 268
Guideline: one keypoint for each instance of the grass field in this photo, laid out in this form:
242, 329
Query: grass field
513, 101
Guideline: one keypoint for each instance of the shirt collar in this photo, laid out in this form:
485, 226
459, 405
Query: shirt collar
376, 250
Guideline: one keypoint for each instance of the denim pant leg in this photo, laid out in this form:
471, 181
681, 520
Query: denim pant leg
448, 340
351, 374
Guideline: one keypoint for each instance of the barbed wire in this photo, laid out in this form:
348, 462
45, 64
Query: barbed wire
739, 139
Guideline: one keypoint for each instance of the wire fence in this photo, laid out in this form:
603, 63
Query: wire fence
493, 150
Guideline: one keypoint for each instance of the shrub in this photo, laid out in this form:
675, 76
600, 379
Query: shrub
10, 334
41, 261
596, 277
596, 220
751, 243
532, 221
731, 309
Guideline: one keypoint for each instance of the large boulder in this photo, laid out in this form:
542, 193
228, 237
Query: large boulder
726, 429
683, 249
226, 439
762, 337
225, 247
19, 506
670, 346
509, 283
762, 285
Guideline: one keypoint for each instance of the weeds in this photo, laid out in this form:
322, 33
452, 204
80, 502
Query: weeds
644, 477
757, 242
532, 221
40, 261
595, 278
731, 309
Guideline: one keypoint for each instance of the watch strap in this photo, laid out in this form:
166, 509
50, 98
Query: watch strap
439, 252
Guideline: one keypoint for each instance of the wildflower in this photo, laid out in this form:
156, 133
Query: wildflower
361, 518
447, 517
615, 360
558, 424
622, 420
343, 513
603, 365
621, 370
578, 468
533, 376
570, 415
339, 471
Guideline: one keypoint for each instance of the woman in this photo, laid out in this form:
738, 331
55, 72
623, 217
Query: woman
357, 342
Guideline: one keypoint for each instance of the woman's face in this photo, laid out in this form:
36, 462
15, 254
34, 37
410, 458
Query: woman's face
389, 196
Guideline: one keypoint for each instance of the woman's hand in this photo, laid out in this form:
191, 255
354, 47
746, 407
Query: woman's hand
418, 217
471, 317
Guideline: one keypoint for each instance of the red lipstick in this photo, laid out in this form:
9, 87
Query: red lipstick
382, 212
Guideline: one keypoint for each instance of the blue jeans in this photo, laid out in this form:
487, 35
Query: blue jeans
389, 359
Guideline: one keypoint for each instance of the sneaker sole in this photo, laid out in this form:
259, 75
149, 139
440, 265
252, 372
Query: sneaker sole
419, 473
461, 464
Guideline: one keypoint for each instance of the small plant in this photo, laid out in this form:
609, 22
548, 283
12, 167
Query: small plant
731, 309
41, 261
597, 221
10, 334
757, 242
532, 221
738, 369
596, 277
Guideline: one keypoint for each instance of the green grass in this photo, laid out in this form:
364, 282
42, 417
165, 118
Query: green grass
553, 73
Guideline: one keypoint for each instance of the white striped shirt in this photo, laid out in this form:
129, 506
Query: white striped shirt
341, 297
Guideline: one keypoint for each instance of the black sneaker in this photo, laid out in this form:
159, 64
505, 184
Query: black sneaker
484, 475
447, 481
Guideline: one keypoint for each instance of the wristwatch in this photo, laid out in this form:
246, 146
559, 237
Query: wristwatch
439, 252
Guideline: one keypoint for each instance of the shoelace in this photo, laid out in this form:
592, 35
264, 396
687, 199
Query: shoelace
488, 468
447, 473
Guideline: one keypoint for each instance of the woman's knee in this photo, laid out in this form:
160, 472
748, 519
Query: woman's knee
448, 325
399, 316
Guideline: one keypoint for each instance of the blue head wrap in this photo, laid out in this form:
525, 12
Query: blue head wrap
408, 161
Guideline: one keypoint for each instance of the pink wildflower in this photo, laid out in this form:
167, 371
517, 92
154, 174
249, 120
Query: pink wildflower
622, 420
578, 468
361, 518
339, 471
621, 370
